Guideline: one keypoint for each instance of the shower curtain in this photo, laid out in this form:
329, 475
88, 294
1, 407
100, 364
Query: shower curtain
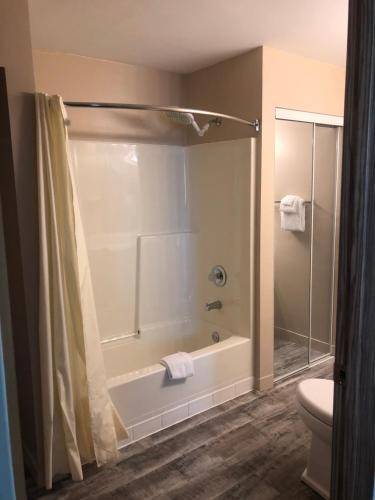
80, 424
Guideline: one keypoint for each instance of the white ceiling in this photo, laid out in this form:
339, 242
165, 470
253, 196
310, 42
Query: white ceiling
186, 35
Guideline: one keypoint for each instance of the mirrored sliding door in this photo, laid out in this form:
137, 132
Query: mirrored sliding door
307, 158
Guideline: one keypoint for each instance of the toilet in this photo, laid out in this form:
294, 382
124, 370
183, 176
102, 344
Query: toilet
315, 406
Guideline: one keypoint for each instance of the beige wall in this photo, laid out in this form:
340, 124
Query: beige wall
78, 78
19, 201
232, 87
293, 82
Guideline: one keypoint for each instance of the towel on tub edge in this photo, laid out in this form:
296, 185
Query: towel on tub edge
179, 365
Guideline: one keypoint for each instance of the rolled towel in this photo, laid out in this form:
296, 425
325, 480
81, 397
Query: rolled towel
292, 213
179, 365
289, 204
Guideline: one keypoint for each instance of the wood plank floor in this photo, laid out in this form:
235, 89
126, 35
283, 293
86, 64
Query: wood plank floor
290, 356
253, 448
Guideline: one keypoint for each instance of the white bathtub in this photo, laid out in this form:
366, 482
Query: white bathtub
148, 402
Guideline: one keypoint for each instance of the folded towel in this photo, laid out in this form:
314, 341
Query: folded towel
179, 365
289, 204
292, 212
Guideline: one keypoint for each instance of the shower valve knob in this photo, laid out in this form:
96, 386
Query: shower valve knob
218, 276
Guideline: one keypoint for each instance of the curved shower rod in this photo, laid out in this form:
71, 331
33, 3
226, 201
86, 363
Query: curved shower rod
151, 107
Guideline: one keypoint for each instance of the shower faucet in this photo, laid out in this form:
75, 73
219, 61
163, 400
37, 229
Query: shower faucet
217, 304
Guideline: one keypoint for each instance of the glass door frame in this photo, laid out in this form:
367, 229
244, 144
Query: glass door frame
317, 119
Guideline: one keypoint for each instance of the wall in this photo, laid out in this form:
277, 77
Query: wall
294, 82
19, 199
137, 227
78, 78
232, 87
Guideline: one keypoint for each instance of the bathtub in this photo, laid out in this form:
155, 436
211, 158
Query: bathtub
148, 401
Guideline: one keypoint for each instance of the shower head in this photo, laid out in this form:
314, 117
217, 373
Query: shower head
188, 119
181, 118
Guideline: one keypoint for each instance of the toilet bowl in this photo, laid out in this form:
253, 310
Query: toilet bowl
315, 406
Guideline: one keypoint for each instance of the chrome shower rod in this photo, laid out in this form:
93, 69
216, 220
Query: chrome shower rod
151, 107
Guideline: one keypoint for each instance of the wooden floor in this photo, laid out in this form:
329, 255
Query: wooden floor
290, 356
254, 448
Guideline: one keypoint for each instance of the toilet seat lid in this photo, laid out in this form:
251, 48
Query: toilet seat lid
316, 397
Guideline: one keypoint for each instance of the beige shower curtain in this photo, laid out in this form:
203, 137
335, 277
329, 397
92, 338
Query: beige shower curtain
80, 424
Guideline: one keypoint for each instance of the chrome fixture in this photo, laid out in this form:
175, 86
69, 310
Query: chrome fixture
214, 305
215, 337
121, 337
307, 202
152, 107
218, 276
189, 119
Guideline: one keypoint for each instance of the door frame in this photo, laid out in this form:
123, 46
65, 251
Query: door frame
295, 115
7, 483
353, 446
10, 307
317, 119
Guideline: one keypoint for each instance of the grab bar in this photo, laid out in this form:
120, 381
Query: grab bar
306, 202
120, 337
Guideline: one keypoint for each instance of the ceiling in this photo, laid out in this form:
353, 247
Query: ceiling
186, 35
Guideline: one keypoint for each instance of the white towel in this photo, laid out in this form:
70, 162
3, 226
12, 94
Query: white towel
292, 212
178, 365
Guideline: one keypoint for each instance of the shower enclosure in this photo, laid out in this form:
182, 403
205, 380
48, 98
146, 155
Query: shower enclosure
308, 164
159, 214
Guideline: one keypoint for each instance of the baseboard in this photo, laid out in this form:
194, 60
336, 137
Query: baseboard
314, 485
303, 340
264, 383
319, 345
298, 338
187, 410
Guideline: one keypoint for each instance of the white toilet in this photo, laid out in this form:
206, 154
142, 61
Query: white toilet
315, 406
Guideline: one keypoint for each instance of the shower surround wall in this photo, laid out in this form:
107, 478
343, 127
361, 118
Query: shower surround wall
157, 218
219, 186
136, 220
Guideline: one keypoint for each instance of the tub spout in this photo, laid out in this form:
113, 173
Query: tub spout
214, 305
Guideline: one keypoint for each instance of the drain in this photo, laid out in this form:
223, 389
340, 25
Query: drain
215, 337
